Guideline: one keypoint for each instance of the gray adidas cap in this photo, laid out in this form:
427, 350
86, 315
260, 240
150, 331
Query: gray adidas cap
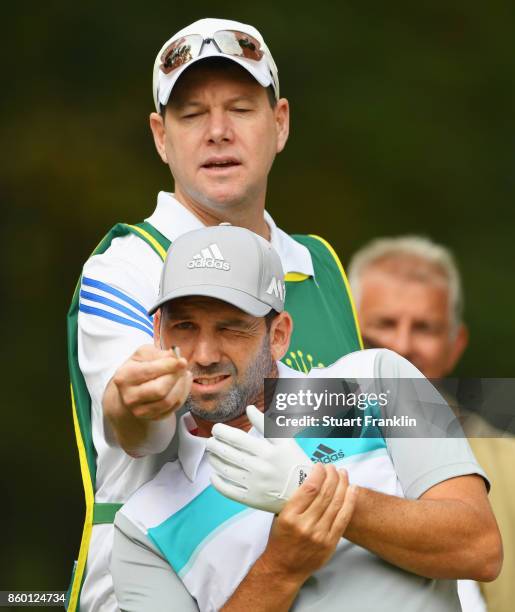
225, 262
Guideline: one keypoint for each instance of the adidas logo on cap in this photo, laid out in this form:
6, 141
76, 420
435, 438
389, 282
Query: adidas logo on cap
324, 454
210, 257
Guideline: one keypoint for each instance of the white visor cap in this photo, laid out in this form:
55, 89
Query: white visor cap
264, 71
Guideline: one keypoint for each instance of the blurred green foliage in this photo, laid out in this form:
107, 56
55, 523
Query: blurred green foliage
402, 121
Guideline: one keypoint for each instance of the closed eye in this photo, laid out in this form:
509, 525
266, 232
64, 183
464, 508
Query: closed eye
232, 330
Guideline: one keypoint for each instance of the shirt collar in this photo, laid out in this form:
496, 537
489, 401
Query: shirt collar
191, 447
172, 219
295, 257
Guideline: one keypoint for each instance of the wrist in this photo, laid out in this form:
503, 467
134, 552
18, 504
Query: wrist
113, 407
288, 580
122, 429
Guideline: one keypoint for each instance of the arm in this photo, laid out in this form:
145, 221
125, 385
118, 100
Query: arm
140, 400
264, 590
446, 495
117, 288
303, 538
452, 506
449, 532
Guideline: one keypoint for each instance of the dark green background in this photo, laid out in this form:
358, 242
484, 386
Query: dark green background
402, 121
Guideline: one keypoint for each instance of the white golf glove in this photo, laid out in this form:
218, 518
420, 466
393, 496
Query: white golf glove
259, 472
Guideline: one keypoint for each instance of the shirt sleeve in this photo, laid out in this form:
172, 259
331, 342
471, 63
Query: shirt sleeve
118, 287
423, 462
143, 579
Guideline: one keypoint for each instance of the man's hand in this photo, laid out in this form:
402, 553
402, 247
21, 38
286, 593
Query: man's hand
303, 538
305, 533
148, 387
152, 383
259, 472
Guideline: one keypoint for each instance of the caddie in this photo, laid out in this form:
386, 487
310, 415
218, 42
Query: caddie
218, 124
415, 518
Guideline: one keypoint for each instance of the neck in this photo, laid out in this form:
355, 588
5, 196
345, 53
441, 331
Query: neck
249, 215
242, 422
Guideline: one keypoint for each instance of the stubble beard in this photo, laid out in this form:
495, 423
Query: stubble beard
235, 401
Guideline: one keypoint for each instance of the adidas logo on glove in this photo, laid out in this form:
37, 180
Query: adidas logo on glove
210, 257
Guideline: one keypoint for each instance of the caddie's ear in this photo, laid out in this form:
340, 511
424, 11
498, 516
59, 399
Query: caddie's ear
280, 335
157, 329
282, 122
157, 125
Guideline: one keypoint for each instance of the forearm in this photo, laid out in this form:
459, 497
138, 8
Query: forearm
432, 538
264, 590
137, 437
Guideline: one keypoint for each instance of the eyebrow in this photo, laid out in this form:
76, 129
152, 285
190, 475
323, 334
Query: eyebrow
177, 315
180, 104
234, 322
183, 315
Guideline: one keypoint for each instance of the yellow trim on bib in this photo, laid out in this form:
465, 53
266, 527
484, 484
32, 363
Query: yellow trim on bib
295, 277
88, 521
346, 282
151, 239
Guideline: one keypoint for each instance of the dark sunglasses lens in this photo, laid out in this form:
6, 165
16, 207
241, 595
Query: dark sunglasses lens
240, 44
180, 52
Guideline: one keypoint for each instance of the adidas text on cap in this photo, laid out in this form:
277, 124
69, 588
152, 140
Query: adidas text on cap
225, 262
264, 70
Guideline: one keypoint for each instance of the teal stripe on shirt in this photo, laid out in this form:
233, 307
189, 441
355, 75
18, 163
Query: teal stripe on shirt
180, 534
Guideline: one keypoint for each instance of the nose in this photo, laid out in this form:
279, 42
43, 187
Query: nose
402, 342
219, 128
206, 351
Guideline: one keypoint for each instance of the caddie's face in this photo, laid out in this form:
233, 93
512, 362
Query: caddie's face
411, 318
219, 137
229, 353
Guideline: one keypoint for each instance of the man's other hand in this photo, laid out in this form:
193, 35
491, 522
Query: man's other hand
259, 472
305, 533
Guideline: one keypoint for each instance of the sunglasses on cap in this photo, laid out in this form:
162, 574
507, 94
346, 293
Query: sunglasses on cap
228, 42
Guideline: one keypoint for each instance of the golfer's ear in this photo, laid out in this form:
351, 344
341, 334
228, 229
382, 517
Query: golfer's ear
280, 335
157, 329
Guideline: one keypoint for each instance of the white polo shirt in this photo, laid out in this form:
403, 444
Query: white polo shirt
118, 288
178, 520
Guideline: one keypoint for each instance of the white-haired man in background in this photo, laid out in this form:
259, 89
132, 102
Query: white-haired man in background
409, 298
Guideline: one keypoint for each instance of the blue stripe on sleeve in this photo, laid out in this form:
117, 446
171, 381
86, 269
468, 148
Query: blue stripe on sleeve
94, 297
112, 317
91, 282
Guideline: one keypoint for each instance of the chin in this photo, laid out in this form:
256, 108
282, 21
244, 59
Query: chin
224, 200
229, 193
